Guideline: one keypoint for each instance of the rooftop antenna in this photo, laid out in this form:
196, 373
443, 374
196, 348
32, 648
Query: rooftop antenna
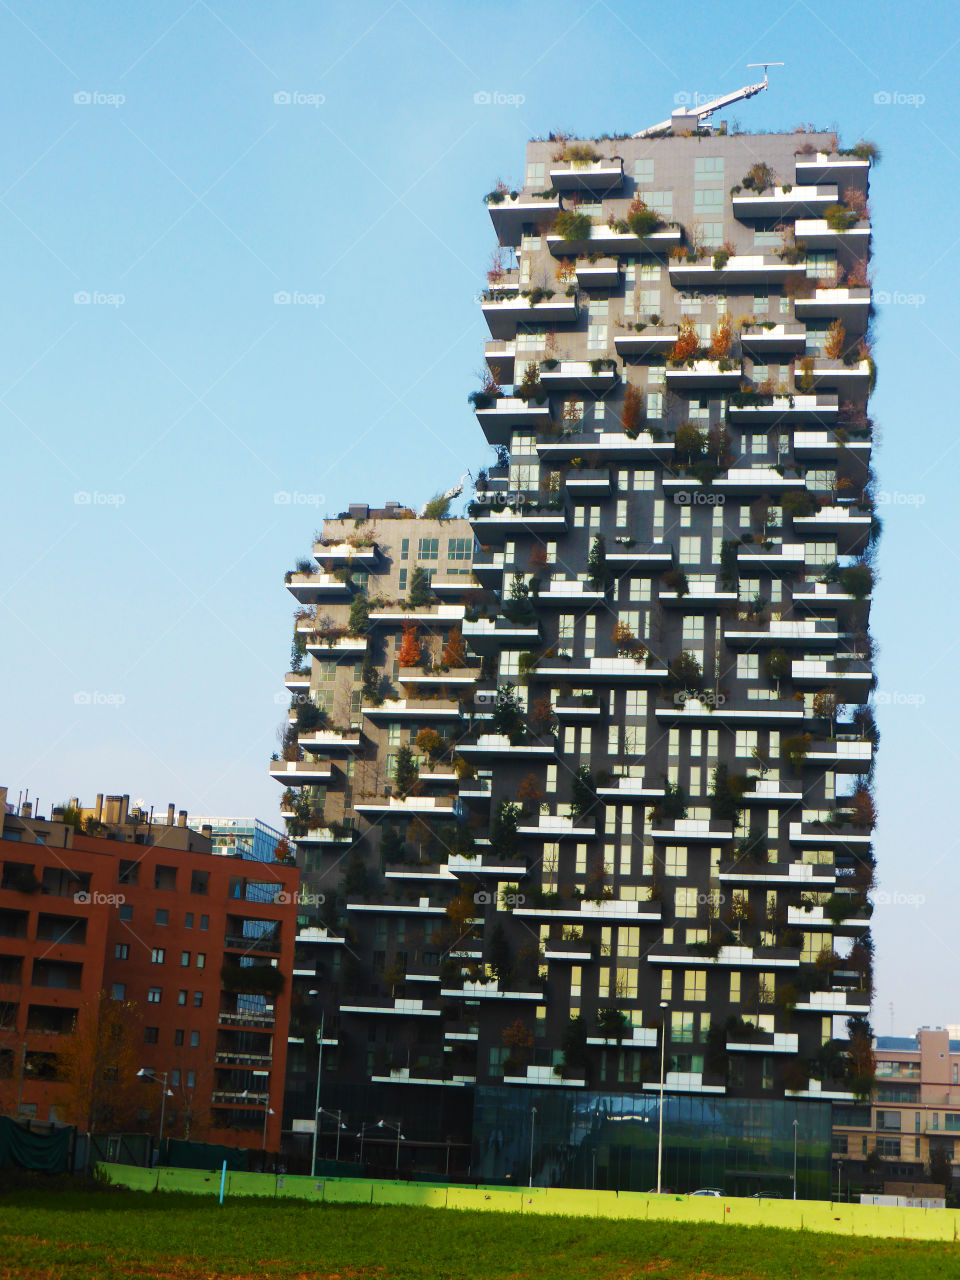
689, 119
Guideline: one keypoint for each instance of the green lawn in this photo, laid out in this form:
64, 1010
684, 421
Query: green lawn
101, 1235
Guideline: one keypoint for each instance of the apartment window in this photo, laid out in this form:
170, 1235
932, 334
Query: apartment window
748, 666
695, 985
188, 920
707, 200
689, 551
153, 995
157, 955
128, 872
165, 878
746, 742
184, 959
201, 959
178, 1037
681, 1027
199, 881
643, 170
194, 1039
660, 202
821, 266
889, 1148
888, 1120
181, 997
161, 916
191, 1079
125, 912
458, 548
428, 549
675, 861
536, 174
121, 951
204, 922
118, 991
151, 1035
685, 902
708, 169
198, 999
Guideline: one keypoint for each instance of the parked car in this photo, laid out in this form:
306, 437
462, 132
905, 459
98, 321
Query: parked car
707, 1191
766, 1195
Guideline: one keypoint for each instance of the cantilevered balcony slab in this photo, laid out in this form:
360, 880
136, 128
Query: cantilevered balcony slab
846, 378
742, 269
607, 242
402, 1008
654, 340
311, 588
504, 314
602, 274
318, 936
576, 709
443, 807
603, 670
599, 176
762, 340
629, 791
460, 864
852, 679
587, 482
742, 714
297, 681
340, 555
816, 918
453, 678
633, 1038
413, 709
501, 355
498, 744
543, 1077
490, 991
825, 444
806, 833
793, 408
782, 202
806, 632
851, 304
816, 233
342, 648
393, 616
299, 773
700, 596
622, 910
578, 375
777, 1042
513, 213
773, 792
836, 1002
708, 374
528, 518
780, 556
729, 957
829, 167
568, 593
751, 481
800, 875
553, 827
508, 414
689, 829
627, 560
848, 524
489, 635
604, 446
841, 755
822, 595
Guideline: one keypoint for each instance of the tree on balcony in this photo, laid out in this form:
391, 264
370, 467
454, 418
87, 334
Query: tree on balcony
576, 1054
517, 1039
409, 653
507, 718
499, 957
726, 800
420, 593
687, 344
777, 666
504, 830
406, 771
454, 650
631, 415
583, 792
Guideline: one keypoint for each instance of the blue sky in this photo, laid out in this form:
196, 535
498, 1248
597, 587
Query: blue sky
147, 165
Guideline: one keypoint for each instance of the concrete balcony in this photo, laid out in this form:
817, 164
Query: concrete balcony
780, 631
508, 414
489, 635
422, 907
822, 595
604, 241
413, 709
424, 872
780, 557
652, 341
759, 341
586, 482
740, 269
848, 524
565, 950
687, 829
785, 409
399, 1008
824, 444
460, 864
816, 1090
428, 616
834, 373
773, 792
407, 807
403, 1075
685, 1082
330, 742
576, 709
751, 481
626, 558
318, 936
709, 594
330, 649
842, 755
826, 167
816, 233
498, 744
503, 314
341, 555
836, 1002
604, 446
524, 518
777, 1042
453, 678
311, 588
300, 773
853, 679
579, 375
565, 593
633, 1038
806, 833
602, 274
735, 957
851, 304
600, 176
501, 355
544, 1076
554, 827
715, 374
326, 836
629, 790
795, 875
490, 991
621, 910
816, 918
513, 212
297, 681
692, 709
603, 670
781, 202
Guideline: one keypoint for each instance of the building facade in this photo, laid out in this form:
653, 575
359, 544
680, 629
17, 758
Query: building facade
651, 832
197, 949
913, 1114
250, 838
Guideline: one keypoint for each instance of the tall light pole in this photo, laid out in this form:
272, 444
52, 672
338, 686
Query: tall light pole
367, 1124
796, 1126
316, 1109
266, 1115
146, 1074
334, 1115
663, 1059
382, 1124
533, 1125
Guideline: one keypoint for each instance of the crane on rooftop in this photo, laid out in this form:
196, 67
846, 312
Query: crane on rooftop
695, 116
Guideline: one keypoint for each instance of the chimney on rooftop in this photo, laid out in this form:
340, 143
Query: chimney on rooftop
182, 818
171, 813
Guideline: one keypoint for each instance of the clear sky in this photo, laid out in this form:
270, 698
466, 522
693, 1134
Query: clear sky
147, 433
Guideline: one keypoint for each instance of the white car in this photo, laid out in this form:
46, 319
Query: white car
707, 1191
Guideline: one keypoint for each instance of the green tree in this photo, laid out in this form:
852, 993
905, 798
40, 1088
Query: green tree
419, 593
406, 769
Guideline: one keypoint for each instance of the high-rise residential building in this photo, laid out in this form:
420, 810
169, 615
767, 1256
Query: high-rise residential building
110, 922
250, 838
657, 877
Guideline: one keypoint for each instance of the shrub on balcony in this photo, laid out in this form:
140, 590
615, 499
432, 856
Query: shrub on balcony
597, 568
689, 443
794, 749
612, 1023
420, 593
839, 218
580, 153
309, 716
576, 1055
482, 399
571, 225
264, 979
672, 806
583, 792
758, 178
641, 219
776, 665
799, 502
359, 618
686, 674
722, 337
409, 654
687, 343
676, 580
726, 798
507, 718
753, 847
631, 415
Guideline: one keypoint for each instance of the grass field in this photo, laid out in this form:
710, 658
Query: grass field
101, 1235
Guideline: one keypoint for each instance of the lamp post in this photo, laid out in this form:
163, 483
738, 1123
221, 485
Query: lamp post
266, 1116
382, 1124
796, 1126
316, 1110
334, 1115
146, 1074
663, 1059
533, 1125
362, 1134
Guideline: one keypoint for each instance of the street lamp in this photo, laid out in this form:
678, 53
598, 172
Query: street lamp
663, 1050
146, 1074
367, 1124
316, 1111
533, 1124
796, 1126
334, 1115
266, 1115
382, 1124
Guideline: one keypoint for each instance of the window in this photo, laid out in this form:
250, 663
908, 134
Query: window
188, 920
194, 1039
748, 666
191, 1079
685, 902
128, 872
708, 169
889, 1148
404, 548
689, 551
198, 999
164, 877
157, 955
675, 861
199, 881
181, 997
458, 548
428, 549
695, 984
184, 959
643, 170
151, 1035
126, 912
681, 1027
536, 174
178, 1037
888, 1120
153, 995
201, 959
118, 991
402, 580
707, 200
746, 742
175, 1077
204, 922
121, 951
161, 916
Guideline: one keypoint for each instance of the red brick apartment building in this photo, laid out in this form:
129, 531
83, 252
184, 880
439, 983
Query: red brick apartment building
200, 946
